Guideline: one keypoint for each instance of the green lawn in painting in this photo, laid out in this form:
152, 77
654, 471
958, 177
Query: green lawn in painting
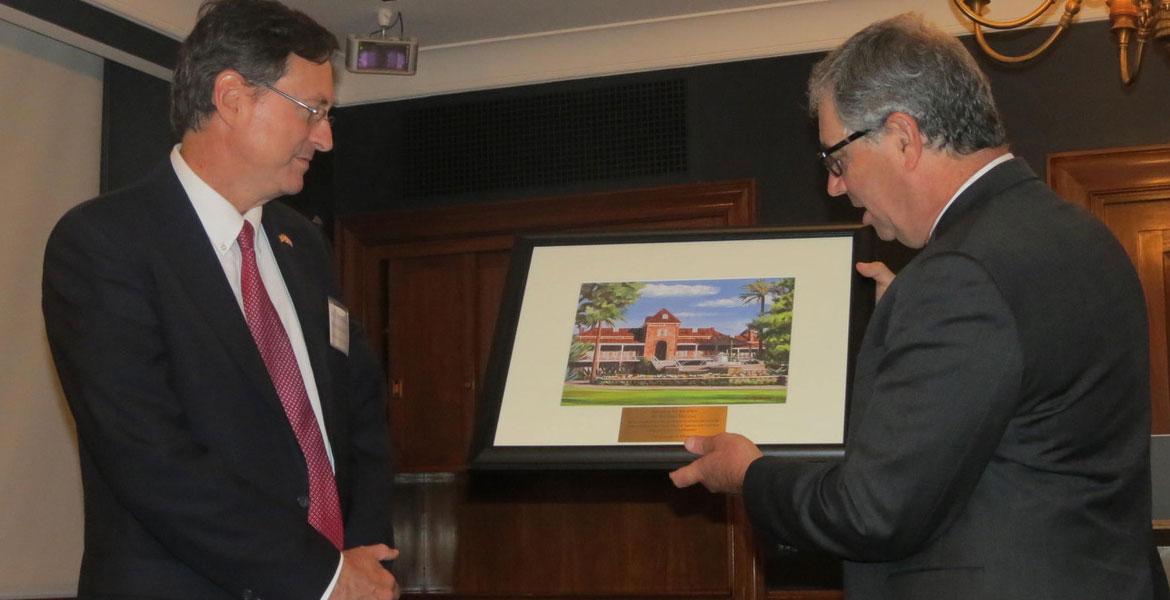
604, 395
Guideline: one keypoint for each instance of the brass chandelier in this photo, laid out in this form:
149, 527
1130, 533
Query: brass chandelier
1133, 22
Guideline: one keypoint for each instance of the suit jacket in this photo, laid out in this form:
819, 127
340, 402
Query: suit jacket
194, 484
998, 435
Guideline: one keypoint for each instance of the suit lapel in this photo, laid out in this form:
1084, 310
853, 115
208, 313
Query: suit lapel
183, 242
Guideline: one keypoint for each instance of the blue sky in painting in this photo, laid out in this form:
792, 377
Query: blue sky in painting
697, 303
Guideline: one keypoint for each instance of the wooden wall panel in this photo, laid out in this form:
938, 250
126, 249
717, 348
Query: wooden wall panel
1129, 190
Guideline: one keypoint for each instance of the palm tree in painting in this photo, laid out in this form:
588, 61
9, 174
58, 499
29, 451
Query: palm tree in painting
602, 304
775, 327
758, 291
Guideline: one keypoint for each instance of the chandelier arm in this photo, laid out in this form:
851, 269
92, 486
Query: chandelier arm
1024, 20
1128, 75
1004, 58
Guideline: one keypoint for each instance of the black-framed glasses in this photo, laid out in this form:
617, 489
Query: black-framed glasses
316, 113
832, 163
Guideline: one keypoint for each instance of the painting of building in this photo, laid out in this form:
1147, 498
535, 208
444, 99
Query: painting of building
664, 343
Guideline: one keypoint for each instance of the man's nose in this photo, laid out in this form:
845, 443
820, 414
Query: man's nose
322, 135
835, 186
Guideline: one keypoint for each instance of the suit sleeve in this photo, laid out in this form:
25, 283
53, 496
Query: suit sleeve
369, 519
945, 387
112, 358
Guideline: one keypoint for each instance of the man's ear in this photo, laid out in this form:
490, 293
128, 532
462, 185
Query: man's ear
231, 95
910, 141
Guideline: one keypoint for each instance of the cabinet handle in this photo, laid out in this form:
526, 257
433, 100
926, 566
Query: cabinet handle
396, 388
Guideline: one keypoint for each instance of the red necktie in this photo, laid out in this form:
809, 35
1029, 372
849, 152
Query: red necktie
277, 352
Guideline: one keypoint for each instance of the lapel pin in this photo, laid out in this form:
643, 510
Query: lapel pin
284, 239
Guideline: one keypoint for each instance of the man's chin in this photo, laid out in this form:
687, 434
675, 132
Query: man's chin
884, 234
293, 183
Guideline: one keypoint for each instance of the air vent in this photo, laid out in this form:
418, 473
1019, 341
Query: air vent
606, 133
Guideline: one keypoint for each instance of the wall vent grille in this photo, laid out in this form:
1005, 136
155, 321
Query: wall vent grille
606, 133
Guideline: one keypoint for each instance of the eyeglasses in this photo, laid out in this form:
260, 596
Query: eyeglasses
832, 163
316, 114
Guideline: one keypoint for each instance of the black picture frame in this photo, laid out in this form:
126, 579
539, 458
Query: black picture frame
487, 453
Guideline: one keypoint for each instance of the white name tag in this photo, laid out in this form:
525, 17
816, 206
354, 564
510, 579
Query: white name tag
338, 326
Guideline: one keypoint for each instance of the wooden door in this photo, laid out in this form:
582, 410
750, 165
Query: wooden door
1129, 190
441, 309
433, 326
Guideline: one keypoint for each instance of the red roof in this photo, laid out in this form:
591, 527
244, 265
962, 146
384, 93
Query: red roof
662, 316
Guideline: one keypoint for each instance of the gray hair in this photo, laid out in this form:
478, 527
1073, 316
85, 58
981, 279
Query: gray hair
905, 65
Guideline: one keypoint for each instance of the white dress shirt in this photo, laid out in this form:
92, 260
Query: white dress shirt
223, 222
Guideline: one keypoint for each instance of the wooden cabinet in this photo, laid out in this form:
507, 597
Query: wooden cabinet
428, 285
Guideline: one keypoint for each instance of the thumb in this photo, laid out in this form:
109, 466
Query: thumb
877, 271
382, 551
698, 444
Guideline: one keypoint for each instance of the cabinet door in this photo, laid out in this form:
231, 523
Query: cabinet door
441, 316
431, 325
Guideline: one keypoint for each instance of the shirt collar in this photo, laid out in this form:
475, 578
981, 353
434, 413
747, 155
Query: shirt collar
220, 219
1002, 158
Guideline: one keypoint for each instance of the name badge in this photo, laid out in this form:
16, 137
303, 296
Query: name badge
338, 326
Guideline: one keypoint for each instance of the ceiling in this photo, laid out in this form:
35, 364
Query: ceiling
479, 44
450, 22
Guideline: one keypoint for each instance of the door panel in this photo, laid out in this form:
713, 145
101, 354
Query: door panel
1129, 190
432, 385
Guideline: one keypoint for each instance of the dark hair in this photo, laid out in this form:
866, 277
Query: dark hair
254, 37
903, 64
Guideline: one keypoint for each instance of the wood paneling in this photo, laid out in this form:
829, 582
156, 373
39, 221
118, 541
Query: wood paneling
1129, 190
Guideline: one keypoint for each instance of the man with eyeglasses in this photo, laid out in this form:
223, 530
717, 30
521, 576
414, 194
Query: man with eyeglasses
230, 417
998, 436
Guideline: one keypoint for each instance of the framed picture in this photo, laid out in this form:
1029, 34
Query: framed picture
611, 349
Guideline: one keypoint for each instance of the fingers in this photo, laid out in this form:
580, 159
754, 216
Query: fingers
377, 552
723, 463
690, 474
879, 273
363, 576
385, 552
686, 476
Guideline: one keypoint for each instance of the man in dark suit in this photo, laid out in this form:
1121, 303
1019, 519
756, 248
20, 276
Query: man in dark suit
232, 422
997, 443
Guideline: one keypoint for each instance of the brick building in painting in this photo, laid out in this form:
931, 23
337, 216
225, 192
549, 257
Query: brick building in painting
663, 341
